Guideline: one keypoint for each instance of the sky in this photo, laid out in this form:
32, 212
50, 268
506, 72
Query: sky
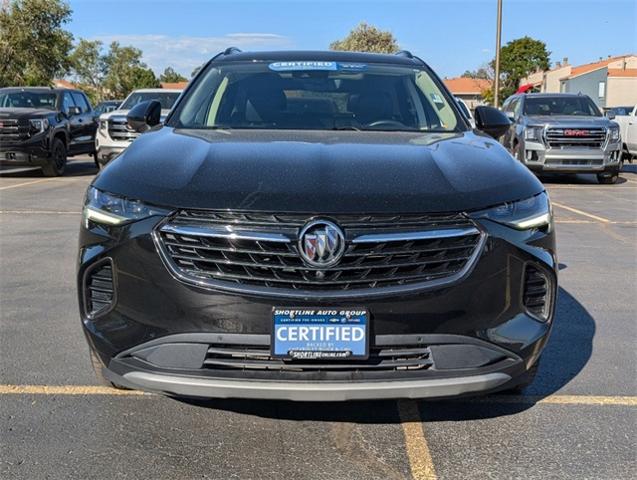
451, 35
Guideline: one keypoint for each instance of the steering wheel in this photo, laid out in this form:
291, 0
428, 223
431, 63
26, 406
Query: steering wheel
386, 123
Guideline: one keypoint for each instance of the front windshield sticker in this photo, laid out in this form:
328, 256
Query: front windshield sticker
315, 65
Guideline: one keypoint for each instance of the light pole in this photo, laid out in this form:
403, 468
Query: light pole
496, 86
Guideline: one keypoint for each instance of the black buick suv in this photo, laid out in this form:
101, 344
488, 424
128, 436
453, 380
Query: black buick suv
316, 226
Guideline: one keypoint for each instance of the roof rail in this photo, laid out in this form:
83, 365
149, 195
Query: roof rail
231, 50
404, 53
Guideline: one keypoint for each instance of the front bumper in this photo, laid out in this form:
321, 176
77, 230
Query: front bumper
159, 332
107, 148
33, 152
539, 158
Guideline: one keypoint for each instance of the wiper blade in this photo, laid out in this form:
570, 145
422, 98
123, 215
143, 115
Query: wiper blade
346, 127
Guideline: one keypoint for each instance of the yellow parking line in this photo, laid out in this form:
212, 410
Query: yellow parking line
407, 409
580, 212
420, 463
38, 212
65, 390
617, 400
23, 184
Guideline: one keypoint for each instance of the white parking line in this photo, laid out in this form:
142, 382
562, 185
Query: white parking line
580, 212
23, 184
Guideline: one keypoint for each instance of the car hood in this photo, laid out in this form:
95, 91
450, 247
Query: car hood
21, 113
317, 171
569, 120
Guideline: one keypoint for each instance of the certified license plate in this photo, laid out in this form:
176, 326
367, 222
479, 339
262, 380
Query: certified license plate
318, 333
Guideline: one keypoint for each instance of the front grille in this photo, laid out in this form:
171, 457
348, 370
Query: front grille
119, 130
536, 292
576, 137
12, 130
98, 289
260, 250
257, 357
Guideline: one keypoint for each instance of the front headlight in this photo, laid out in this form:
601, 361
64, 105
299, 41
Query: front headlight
534, 133
108, 209
103, 125
524, 214
39, 125
614, 134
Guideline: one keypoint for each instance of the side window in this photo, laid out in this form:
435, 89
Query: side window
81, 101
67, 102
517, 108
506, 106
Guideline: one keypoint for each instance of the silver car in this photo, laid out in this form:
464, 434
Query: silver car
563, 133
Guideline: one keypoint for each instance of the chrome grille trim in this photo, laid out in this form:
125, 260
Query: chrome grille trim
119, 130
225, 233
595, 137
256, 264
424, 235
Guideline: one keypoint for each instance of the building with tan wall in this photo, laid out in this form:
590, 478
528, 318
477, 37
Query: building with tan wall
610, 82
468, 89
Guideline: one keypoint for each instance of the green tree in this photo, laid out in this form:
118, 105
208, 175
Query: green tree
484, 73
518, 58
367, 38
88, 68
126, 71
34, 46
171, 76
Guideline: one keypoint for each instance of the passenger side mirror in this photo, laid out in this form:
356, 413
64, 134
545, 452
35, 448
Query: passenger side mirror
510, 116
492, 121
74, 110
144, 115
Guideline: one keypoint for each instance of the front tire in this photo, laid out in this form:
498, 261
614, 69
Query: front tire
608, 179
57, 163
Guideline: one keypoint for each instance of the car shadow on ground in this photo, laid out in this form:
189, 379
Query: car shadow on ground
585, 178
566, 354
74, 168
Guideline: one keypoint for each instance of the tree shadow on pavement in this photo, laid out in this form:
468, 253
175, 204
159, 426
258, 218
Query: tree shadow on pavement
566, 354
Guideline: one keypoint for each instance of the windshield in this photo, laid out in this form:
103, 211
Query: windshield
28, 100
580, 106
167, 99
317, 96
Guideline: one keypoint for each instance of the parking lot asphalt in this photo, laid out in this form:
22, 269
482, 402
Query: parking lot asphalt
578, 419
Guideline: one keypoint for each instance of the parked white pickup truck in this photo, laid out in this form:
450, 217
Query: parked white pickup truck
113, 133
628, 133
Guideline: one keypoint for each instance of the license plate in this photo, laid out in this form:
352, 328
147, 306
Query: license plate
319, 333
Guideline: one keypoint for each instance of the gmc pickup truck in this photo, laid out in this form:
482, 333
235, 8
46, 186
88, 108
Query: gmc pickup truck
42, 126
562, 133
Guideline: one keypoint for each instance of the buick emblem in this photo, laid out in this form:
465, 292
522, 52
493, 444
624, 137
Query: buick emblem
321, 243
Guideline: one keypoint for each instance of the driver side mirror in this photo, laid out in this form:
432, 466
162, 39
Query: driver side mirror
144, 115
74, 110
492, 121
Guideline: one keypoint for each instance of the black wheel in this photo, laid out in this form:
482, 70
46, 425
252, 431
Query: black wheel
516, 152
608, 178
57, 163
97, 368
97, 164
